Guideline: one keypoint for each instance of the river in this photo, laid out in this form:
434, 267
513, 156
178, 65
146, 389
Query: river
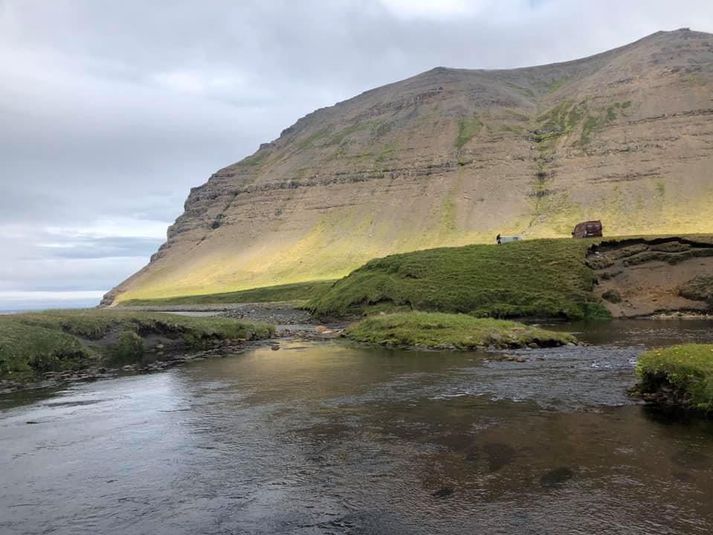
330, 437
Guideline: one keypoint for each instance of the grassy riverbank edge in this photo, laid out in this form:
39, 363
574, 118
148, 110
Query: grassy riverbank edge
679, 377
460, 332
33, 345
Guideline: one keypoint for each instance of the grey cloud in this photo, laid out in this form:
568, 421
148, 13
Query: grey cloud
19, 203
65, 274
111, 247
21, 301
115, 109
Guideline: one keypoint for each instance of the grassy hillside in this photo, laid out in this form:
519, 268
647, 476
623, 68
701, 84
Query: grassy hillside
35, 343
538, 278
301, 291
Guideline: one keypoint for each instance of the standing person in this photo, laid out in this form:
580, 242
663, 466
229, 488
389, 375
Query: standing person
497, 239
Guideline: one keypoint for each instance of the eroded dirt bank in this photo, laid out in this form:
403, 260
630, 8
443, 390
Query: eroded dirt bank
643, 277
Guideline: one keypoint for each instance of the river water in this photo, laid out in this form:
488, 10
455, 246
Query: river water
328, 437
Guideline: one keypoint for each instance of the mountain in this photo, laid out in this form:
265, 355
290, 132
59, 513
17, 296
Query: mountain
456, 156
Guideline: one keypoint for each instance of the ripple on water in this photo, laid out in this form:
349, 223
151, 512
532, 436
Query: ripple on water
566, 378
328, 438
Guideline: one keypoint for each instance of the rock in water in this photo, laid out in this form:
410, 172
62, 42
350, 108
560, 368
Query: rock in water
557, 477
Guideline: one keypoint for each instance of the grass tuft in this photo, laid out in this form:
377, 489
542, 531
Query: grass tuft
435, 330
468, 127
129, 348
679, 376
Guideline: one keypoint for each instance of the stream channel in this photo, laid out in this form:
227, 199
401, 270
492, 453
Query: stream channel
332, 437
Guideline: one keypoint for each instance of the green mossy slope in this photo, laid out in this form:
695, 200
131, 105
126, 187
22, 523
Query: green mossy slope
538, 278
435, 330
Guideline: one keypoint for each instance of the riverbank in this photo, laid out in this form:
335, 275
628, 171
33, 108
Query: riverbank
83, 344
424, 330
347, 437
275, 313
677, 377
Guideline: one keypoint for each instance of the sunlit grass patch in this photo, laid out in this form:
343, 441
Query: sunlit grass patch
435, 330
301, 291
537, 278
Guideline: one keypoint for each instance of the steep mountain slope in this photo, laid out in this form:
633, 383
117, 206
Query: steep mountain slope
451, 157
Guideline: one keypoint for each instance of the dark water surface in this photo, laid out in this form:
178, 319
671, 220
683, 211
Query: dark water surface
333, 438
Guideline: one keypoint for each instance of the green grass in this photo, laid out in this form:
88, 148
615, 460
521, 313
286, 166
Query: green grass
564, 119
26, 349
94, 324
537, 278
467, 128
301, 291
681, 375
591, 124
257, 158
313, 139
343, 135
555, 84
599, 120
434, 330
33, 343
560, 120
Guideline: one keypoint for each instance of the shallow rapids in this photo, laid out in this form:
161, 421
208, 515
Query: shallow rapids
329, 437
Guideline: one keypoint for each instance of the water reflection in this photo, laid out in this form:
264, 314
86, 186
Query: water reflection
330, 438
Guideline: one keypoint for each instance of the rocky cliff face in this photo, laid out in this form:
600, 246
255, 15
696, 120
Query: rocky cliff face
454, 156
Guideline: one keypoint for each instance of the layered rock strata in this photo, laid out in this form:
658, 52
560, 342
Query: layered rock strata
455, 156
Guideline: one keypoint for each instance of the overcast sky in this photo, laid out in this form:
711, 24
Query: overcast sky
111, 110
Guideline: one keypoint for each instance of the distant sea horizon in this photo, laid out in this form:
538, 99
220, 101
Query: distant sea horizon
17, 302
9, 311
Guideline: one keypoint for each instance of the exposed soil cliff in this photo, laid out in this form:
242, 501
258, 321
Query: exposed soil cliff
640, 277
455, 156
